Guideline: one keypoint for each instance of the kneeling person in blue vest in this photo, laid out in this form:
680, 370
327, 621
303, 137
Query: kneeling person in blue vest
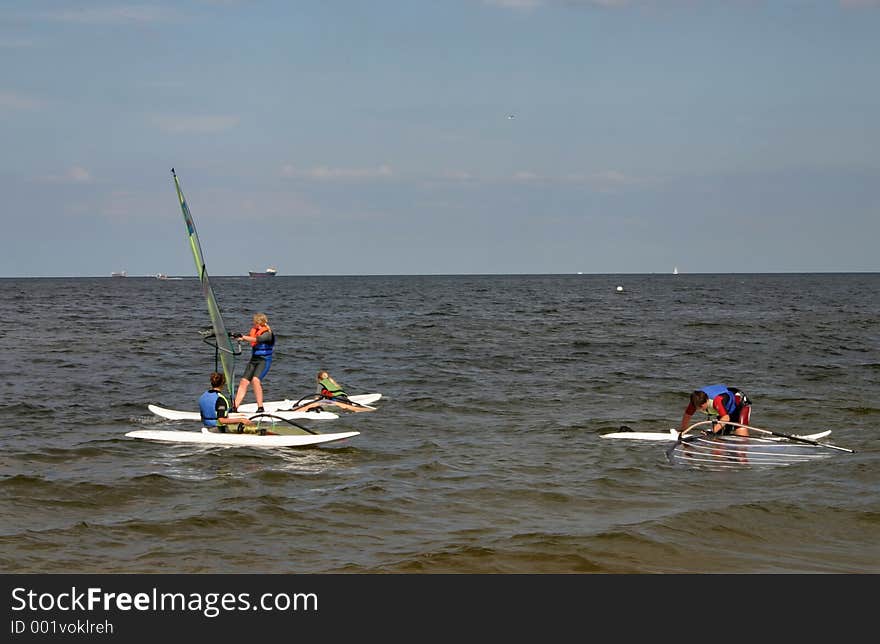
214, 408
721, 404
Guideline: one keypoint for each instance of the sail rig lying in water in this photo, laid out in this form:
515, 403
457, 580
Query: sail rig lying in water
223, 343
761, 448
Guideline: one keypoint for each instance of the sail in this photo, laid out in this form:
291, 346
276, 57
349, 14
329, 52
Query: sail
224, 343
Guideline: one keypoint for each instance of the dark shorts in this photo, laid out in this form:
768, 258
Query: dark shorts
742, 413
258, 366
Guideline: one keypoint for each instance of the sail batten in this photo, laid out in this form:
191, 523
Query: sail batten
225, 347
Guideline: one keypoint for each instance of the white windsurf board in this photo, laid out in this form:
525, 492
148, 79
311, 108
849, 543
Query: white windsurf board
175, 414
288, 404
250, 440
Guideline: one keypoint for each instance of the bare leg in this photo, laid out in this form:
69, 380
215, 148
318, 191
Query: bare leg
258, 391
352, 407
744, 416
242, 390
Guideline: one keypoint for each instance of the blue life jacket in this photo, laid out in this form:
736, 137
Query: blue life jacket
208, 407
717, 390
264, 349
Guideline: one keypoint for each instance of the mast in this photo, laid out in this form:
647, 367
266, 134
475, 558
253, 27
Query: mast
223, 343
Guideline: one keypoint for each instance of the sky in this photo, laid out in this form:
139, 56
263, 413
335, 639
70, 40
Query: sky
332, 137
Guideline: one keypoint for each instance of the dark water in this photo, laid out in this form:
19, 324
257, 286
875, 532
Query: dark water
485, 455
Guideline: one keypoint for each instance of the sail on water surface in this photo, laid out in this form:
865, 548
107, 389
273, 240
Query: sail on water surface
224, 344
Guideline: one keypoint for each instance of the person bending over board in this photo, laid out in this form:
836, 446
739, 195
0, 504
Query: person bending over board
214, 407
262, 341
722, 404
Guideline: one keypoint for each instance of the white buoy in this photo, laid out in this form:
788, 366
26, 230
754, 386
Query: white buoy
620, 289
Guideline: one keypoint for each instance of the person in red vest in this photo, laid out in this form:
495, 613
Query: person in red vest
722, 404
262, 341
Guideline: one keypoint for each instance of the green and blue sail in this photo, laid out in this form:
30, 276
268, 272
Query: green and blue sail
224, 344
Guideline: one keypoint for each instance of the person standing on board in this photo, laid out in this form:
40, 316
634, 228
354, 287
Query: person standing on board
722, 404
214, 406
262, 341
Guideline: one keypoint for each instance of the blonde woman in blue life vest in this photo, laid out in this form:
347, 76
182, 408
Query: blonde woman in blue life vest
262, 341
721, 404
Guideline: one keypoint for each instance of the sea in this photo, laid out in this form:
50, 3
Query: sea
486, 452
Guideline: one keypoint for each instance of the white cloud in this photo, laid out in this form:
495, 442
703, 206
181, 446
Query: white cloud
324, 173
611, 180
859, 4
119, 205
457, 175
121, 14
78, 174
74, 174
603, 181
524, 5
515, 4
15, 43
194, 124
17, 101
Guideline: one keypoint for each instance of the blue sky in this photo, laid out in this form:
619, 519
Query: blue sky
440, 136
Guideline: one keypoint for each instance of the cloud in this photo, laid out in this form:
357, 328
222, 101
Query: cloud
515, 4
604, 181
457, 175
224, 2
17, 101
15, 43
74, 174
194, 124
609, 181
120, 14
324, 173
119, 205
525, 5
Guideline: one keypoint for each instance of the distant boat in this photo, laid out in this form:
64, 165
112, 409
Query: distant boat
119, 274
269, 272
675, 270
161, 276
